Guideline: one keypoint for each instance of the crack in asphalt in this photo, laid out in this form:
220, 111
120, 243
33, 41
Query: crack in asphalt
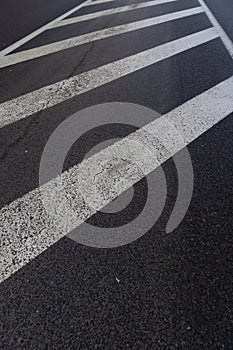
81, 61
17, 140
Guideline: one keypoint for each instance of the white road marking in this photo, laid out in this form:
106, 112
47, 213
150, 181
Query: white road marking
32, 35
98, 2
26, 227
222, 34
102, 2
98, 35
110, 12
48, 96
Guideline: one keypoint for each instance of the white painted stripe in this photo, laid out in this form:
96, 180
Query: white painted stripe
32, 35
110, 12
48, 96
26, 227
98, 2
222, 34
98, 35
101, 2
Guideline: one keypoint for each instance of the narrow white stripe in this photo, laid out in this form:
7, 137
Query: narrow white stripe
97, 2
102, 2
48, 96
40, 30
98, 35
224, 37
26, 227
110, 12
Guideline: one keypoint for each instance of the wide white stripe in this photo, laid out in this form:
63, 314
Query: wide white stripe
224, 37
27, 229
40, 30
110, 12
48, 96
98, 35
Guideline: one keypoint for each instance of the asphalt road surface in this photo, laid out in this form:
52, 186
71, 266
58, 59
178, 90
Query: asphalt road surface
116, 174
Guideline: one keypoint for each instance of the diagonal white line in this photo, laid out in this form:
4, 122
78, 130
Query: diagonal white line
48, 96
40, 30
102, 2
98, 35
110, 12
26, 227
222, 34
98, 2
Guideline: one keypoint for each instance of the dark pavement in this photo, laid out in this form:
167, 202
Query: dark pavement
20, 18
163, 291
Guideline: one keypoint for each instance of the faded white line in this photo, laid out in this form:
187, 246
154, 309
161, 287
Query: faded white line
94, 36
110, 12
222, 34
27, 229
32, 35
48, 96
